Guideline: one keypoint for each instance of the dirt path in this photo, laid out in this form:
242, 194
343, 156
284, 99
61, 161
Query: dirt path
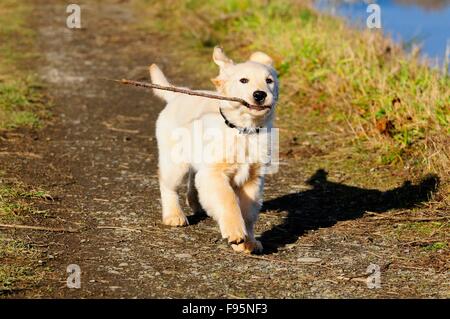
98, 158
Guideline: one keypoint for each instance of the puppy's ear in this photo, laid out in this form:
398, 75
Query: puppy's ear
217, 82
220, 58
262, 58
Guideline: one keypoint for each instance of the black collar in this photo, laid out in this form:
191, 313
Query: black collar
242, 130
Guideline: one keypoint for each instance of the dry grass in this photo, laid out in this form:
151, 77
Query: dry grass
21, 105
358, 84
17, 202
19, 267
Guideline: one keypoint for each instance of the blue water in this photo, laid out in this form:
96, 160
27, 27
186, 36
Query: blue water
422, 22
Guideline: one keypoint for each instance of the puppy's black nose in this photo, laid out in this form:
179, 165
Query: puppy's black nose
259, 96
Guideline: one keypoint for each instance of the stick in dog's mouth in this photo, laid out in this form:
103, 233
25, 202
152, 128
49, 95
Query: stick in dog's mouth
257, 107
190, 92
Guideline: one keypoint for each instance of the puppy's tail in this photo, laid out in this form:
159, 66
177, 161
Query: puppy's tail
158, 78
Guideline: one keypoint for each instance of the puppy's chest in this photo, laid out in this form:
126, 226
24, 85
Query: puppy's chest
240, 174
241, 148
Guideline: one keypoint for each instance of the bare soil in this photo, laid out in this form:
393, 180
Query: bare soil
97, 158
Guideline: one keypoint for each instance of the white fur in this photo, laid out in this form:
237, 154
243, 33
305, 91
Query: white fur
230, 192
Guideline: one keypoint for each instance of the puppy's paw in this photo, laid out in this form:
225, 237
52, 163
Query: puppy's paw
249, 247
258, 247
177, 220
234, 235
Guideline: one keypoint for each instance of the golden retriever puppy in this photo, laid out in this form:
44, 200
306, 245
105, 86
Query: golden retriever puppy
222, 147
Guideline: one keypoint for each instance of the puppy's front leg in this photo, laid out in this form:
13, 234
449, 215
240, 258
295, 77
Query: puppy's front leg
220, 201
250, 202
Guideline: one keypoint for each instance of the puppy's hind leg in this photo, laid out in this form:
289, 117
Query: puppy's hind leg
192, 194
170, 177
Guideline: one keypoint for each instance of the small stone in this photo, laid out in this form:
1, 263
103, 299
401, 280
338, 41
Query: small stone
115, 272
183, 256
123, 264
168, 272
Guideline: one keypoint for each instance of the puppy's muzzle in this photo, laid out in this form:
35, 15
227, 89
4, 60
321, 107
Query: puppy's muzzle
259, 97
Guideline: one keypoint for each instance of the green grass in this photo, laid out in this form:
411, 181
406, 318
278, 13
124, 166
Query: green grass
17, 203
436, 246
422, 228
22, 102
18, 269
431, 236
339, 78
18, 261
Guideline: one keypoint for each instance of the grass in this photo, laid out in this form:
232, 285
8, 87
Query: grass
434, 233
17, 203
437, 246
18, 260
22, 104
18, 269
358, 84
22, 101
428, 240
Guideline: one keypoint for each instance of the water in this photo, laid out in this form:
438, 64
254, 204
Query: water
423, 22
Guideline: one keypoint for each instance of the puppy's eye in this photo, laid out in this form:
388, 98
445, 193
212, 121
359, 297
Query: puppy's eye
269, 81
243, 80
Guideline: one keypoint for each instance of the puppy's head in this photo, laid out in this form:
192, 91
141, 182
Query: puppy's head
254, 81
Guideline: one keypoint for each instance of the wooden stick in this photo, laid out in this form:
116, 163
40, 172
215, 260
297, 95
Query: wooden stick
180, 90
406, 218
119, 228
115, 129
41, 228
22, 154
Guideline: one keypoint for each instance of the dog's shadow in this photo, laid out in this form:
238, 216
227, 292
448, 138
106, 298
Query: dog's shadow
329, 202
